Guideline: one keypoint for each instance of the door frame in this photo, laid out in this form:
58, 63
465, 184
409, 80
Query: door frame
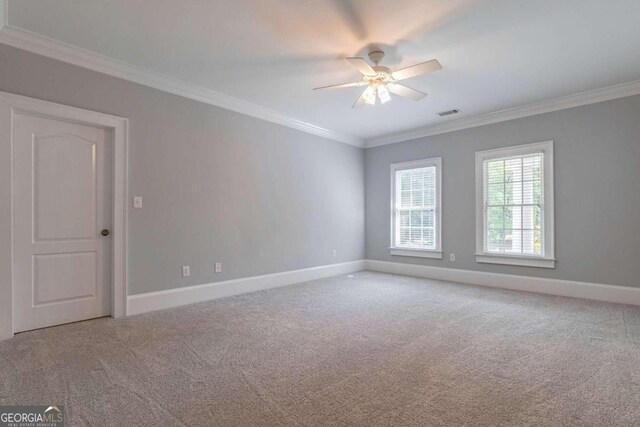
118, 128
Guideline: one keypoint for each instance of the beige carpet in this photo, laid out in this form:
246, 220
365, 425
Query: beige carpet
372, 350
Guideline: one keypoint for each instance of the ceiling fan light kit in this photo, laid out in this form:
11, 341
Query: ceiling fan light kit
381, 81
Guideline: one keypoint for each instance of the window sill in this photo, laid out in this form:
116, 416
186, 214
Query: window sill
516, 260
419, 253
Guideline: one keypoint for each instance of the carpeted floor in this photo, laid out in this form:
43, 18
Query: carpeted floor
370, 350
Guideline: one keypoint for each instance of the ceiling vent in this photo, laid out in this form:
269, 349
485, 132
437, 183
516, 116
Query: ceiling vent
448, 113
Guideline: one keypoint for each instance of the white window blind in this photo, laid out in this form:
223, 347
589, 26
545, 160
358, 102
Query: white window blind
416, 210
513, 203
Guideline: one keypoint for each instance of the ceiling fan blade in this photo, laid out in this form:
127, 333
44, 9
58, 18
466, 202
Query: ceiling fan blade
406, 92
415, 70
340, 85
362, 66
367, 97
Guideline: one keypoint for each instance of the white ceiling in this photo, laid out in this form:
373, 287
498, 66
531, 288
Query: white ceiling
496, 54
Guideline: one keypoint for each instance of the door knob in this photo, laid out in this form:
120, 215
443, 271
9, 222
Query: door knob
105, 232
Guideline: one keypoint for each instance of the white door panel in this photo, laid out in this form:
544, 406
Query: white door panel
65, 187
61, 203
64, 277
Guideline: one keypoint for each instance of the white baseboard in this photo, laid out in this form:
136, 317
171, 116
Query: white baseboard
152, 301
566, 288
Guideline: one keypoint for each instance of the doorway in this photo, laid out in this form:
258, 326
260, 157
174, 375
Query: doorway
68, 210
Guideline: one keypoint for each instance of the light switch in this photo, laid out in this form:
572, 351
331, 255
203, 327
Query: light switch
137, 202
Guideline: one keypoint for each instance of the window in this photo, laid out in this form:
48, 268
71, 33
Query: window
415, 213
514, 212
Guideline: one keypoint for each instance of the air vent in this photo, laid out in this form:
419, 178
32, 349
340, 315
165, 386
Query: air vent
448, 113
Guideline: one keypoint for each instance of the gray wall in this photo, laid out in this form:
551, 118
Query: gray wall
262, 198
597, 191
217, 185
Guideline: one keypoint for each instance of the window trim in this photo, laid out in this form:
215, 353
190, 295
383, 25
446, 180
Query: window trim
548, 259
416, 252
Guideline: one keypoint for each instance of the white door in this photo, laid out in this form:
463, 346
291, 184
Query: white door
61, 193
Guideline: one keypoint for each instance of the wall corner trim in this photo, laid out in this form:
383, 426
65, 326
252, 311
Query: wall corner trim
45, 46
565, 288
608, 93
151, 301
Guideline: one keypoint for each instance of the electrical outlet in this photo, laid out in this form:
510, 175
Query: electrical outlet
335, 253
186, 271
137, 202
452, 257
218, 267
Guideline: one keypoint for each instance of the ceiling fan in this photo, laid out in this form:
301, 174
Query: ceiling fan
381, 80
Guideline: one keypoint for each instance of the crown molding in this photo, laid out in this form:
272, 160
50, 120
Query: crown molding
45, 46
584, 98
